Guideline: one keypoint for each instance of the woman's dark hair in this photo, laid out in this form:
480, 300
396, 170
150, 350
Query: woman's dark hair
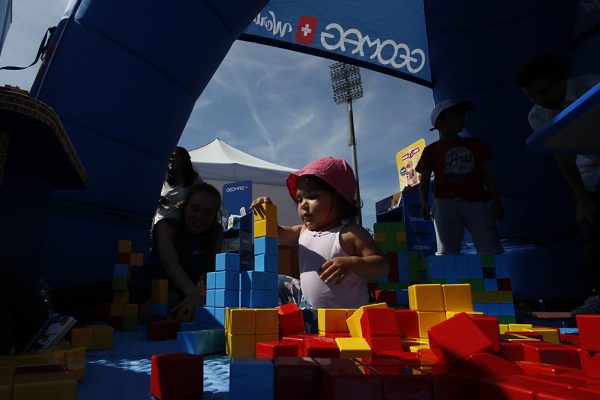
345, 210
189, 173
212, 237
550, 66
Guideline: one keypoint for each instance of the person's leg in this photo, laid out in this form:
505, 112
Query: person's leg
482, 227
289, 290
449, 228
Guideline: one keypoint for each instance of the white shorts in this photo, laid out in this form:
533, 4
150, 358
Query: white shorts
452, 216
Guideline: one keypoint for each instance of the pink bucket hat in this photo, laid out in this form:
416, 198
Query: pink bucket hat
335, 171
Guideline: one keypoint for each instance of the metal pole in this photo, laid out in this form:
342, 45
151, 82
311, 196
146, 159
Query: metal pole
352, 144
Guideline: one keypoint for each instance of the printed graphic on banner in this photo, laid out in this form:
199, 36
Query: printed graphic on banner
406, 161
237, 195
386, 35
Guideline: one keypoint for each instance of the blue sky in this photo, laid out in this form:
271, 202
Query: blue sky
274, 104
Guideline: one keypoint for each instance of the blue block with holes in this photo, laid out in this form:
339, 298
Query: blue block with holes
226, 298
227, 280
227, 262
252, 280
266, 263
271, 281
265, 245
210, 280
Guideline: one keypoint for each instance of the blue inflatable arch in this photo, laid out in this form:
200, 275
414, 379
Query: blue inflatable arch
124, 76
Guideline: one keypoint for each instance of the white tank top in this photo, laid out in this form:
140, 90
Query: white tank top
314, 248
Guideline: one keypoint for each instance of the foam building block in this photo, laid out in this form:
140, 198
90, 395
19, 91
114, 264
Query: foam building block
251, 379
457, 297
343, 379
353, 320
375, 322
291, 320
227, 262
589, 329
176, 376
276, 349
426, 297
353, 347
407, 322
332, 320
297, 378
45, 382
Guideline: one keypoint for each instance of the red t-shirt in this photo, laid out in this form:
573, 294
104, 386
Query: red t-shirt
458, 167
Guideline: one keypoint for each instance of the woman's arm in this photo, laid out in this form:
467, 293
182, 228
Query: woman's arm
364, 257
286, 235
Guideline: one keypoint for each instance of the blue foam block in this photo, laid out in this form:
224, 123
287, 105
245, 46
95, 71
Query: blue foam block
194, 342
253, 298
271, 281
507, 309
271, 298
210, 280
210, 297
121, 270
228, 262
226, 298
490, 285
220, 315
266, 263
252, 378
158, 309
252, 280
227, 280
265, 245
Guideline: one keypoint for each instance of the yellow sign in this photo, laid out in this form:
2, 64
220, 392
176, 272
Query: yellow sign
406, 161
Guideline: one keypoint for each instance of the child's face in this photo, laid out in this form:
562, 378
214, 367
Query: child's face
316, 208
451, 121
546, 92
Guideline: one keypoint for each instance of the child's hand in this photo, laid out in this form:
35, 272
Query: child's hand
425, 211
335, 270
256, 203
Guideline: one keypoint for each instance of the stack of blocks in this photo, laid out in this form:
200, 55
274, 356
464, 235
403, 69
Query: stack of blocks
237, 284
159, 307
124, 315
489, 277
245, 327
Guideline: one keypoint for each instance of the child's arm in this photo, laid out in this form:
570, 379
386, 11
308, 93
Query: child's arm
286, 235
364, 257
424, 193
492, 187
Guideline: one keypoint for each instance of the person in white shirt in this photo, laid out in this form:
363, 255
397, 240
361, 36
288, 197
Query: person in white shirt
545, 81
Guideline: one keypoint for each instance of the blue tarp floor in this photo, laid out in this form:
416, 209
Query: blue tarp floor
123, 372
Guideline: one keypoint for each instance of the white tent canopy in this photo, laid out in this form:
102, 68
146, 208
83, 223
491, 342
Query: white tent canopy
219, 163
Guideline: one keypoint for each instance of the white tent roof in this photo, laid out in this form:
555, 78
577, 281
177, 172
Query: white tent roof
220, 161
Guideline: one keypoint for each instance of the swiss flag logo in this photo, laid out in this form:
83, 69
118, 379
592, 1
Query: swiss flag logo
307, 27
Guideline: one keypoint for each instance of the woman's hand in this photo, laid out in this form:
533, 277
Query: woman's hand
335, 269
185, 309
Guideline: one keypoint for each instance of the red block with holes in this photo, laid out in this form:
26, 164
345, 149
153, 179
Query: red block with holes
386, 296
590, 362
298, 340
291, 320
492, 364
457, 338
404, 382
408, 323
382, 344
321, 347
341, 379
451, 383
489, 326
163, 330
514, 350
297, 378
276, 349
375, 322
589, 332
177, 376
549, 353
517, 388
566, 338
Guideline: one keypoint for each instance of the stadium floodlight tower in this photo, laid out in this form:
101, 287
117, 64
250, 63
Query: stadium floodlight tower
347, 87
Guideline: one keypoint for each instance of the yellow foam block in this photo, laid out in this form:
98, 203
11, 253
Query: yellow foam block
401, 236
44, 386
519, 327
130, 310
266, 228
268, 211
519, 338
241, 345
6, 381
75, 362
161, 285
548, 334
267, 321
417, 347
380, 237
82, 337
492, 297
353, 321
457, 297
241, 321
426, 297
353, 347
332, 320
136, 259
450, 314
503, 328
116, 309
160, 296
427, 319
102, 337
267, 337
506, 296
124, 246
121, 296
